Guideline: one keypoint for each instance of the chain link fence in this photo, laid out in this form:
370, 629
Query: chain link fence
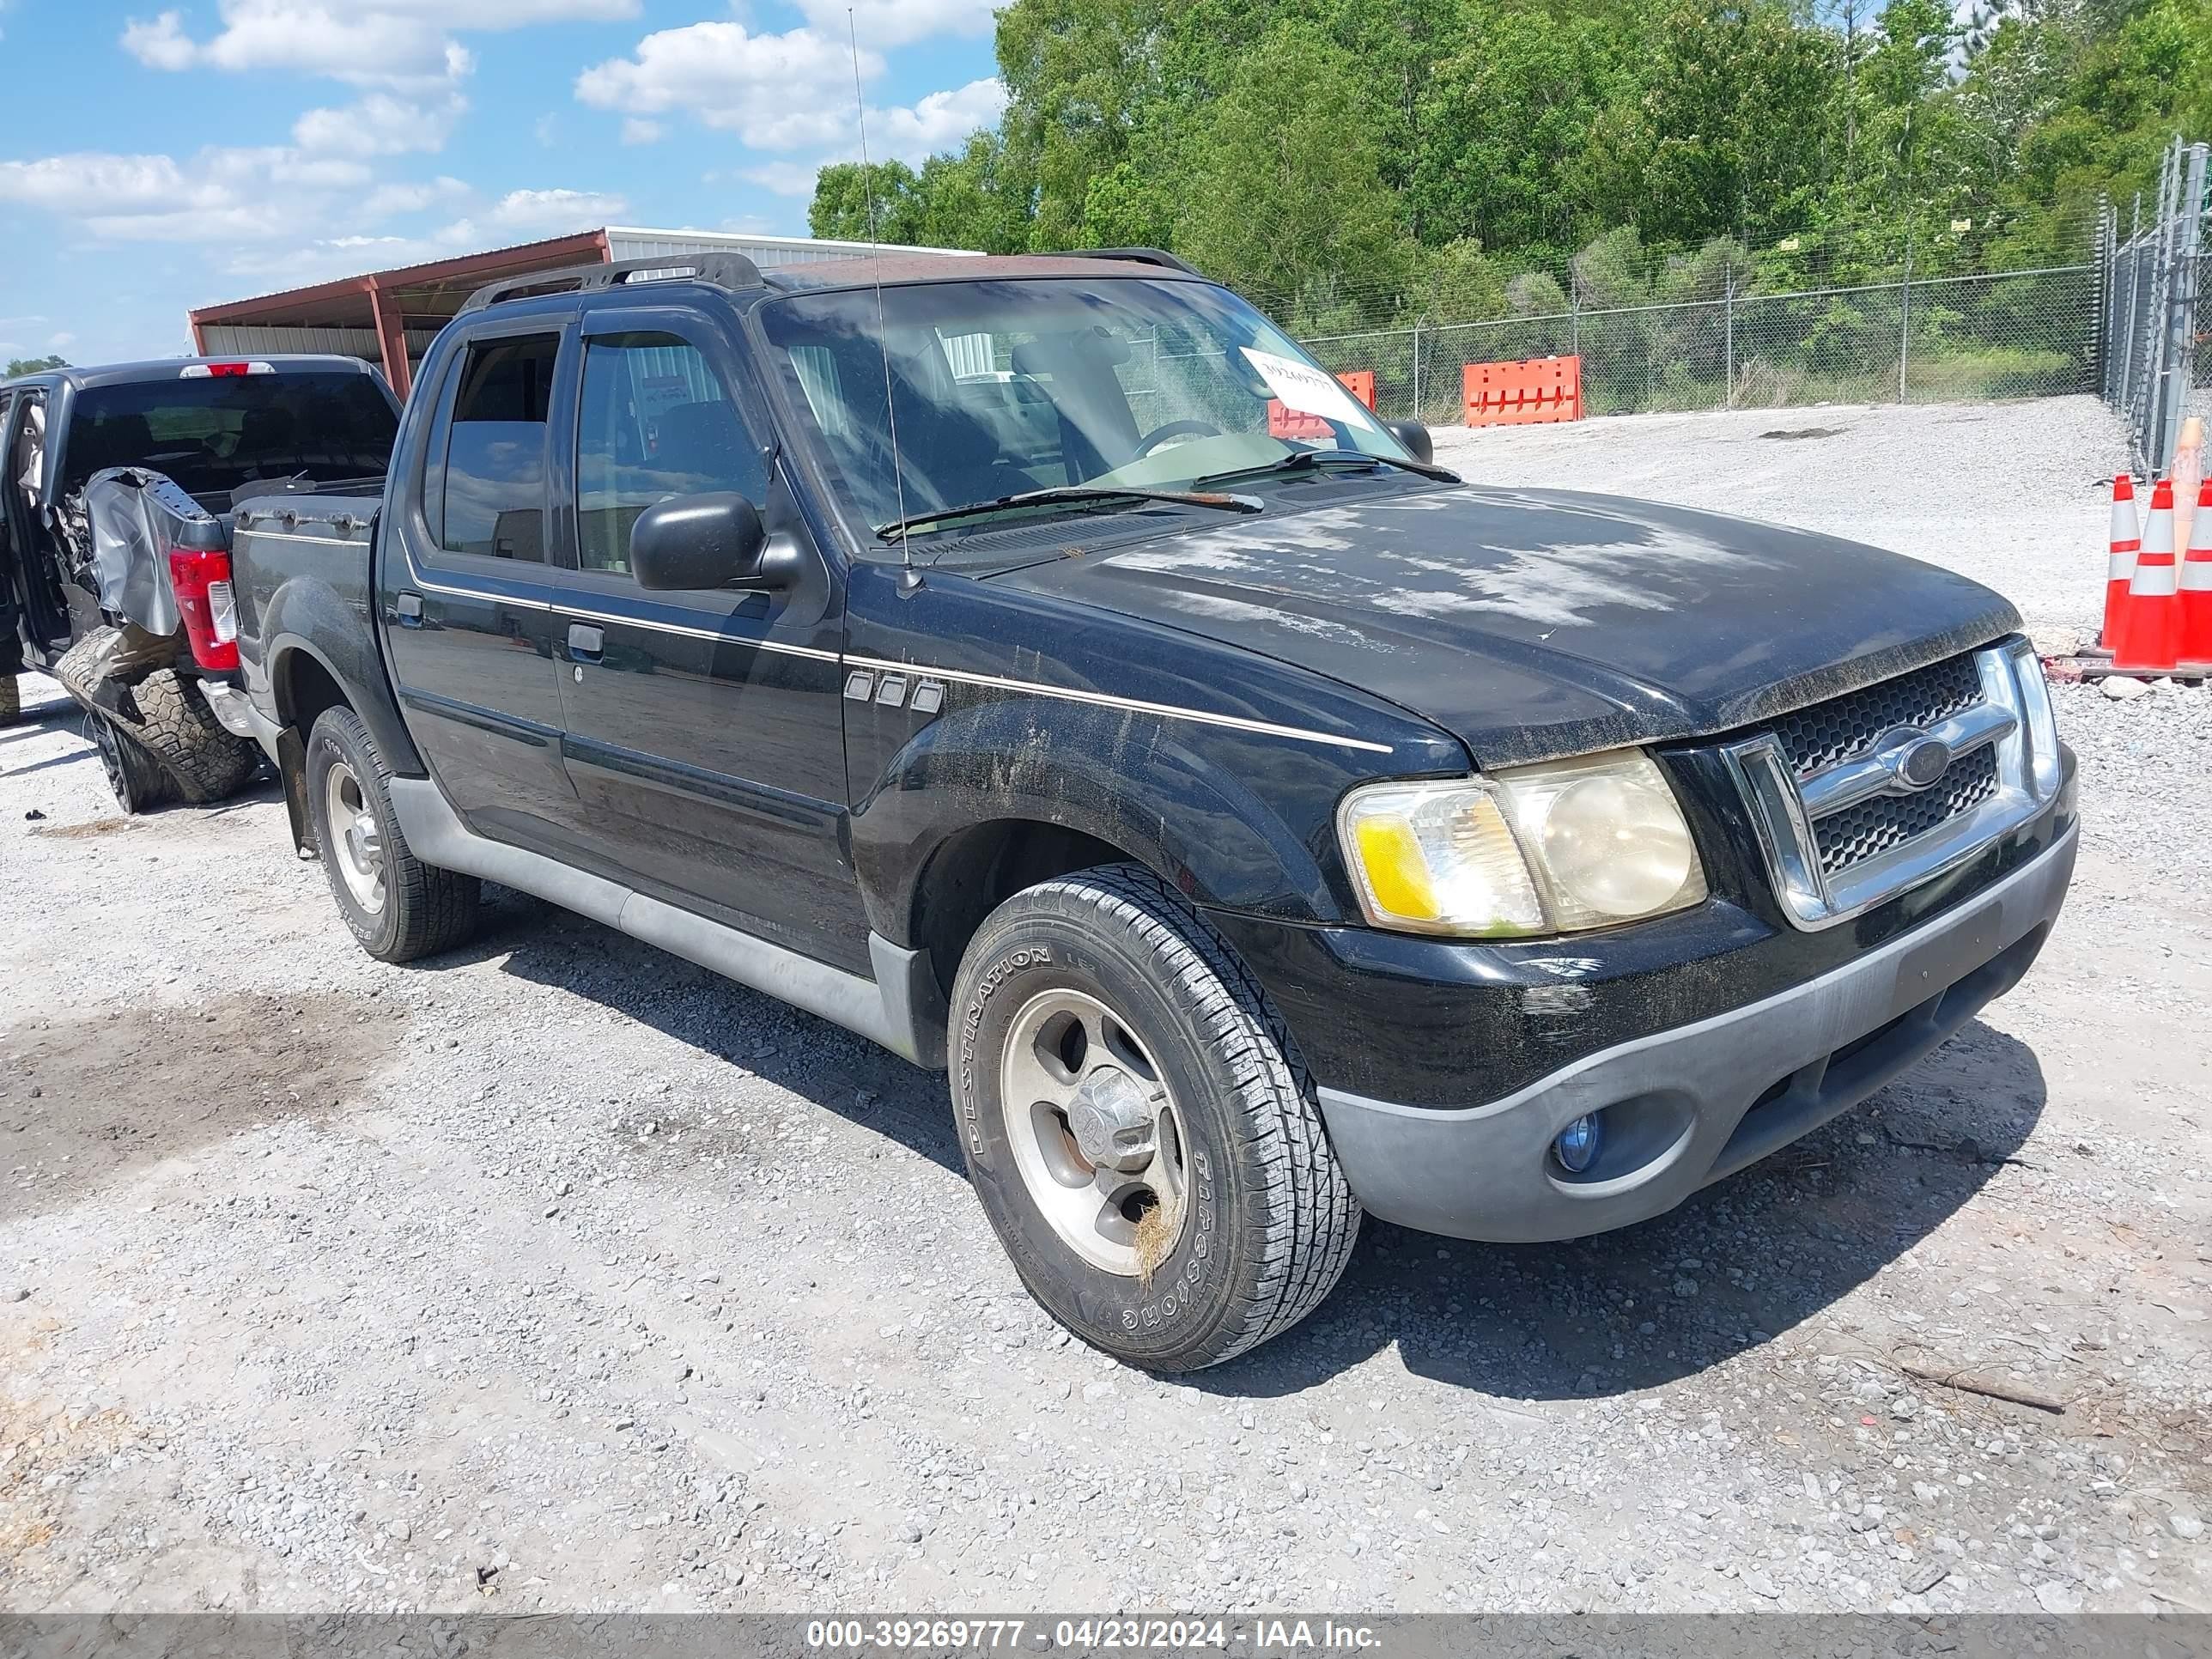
1855, 315
2157, 311
1944, 339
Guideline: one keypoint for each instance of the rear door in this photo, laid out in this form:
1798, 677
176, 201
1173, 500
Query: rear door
464, 582
704, 739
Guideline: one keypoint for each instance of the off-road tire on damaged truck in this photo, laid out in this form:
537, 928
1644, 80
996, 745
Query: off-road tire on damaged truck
1260, 824
87, 517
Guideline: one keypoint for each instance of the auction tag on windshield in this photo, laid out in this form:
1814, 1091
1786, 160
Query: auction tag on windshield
1306, 389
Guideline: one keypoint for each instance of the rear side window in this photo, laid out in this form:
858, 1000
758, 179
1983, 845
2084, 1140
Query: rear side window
656, 424
494, 476
212, 434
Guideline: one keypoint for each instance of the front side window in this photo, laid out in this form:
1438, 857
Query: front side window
494, 476
1001, 387
656, 423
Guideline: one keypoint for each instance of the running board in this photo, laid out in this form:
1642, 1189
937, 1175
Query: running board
900, 1008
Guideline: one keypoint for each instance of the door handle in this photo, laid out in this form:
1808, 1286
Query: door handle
585, 643
408, 609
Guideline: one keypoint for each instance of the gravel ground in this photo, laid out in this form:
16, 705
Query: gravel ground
555, 1274
2008, 493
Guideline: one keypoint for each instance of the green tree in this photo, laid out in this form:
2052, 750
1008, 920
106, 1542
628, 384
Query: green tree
1727, 133
1287, 203
33, 365
1507, 126
880, 203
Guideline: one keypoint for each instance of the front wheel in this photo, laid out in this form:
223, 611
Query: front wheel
1139, 1127
398, 906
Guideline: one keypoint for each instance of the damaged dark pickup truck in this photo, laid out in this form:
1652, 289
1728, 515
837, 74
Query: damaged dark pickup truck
116, 485
1040, 667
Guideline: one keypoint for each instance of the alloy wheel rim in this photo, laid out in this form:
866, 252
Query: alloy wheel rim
1096, 1134
358, 849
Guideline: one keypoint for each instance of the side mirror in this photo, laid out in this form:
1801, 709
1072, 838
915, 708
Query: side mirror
693, 542
1415, 437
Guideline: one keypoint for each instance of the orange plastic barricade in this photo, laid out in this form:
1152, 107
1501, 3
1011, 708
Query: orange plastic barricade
1285, 422
1522, 393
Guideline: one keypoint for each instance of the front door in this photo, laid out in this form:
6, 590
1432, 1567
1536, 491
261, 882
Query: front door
704, 739
466, 599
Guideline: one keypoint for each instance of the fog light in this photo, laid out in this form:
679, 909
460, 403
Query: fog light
1577, 1145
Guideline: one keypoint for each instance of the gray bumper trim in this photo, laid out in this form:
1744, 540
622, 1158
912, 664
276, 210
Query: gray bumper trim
901, 1008
1688, 1106
235, 713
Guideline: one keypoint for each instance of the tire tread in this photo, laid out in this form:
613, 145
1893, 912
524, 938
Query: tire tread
437, 909
1310, 1219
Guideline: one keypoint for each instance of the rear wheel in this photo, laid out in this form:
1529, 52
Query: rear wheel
398, 906
208, 763
135, 781
1139, 1127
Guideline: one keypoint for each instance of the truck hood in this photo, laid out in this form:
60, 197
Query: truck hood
1533, 625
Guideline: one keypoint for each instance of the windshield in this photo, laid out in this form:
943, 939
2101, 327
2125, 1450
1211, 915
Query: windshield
1000, 387
214, 433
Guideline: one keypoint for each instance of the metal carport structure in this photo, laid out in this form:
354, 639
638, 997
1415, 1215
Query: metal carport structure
390, 317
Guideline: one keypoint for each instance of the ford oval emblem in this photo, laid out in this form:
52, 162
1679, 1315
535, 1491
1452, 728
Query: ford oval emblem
1921, 763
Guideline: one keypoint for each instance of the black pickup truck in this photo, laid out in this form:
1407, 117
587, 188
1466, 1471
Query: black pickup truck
1261, 828
116, 485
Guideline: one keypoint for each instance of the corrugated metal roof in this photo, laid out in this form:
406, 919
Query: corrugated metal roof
639, 242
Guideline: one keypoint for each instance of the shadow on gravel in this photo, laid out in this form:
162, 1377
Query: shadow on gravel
64, 716
1739, 1263
73, 757
811, 1058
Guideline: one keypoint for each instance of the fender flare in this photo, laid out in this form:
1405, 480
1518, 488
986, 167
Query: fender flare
1177, 798
302, 617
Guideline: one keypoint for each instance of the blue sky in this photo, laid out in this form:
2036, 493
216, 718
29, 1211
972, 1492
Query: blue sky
219, 149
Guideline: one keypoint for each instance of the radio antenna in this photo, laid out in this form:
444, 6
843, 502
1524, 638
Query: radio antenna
908, 581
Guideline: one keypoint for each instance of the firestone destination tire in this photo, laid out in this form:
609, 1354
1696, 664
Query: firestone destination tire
1139, 1127
398, 906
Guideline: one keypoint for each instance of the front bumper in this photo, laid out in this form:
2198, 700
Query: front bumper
1688, 1105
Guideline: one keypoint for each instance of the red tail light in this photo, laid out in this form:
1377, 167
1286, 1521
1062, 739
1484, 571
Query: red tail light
201, 578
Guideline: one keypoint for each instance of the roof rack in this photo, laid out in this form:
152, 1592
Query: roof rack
720, 269
1135, 256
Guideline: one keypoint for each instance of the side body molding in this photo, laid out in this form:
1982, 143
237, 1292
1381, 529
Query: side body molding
900, 1008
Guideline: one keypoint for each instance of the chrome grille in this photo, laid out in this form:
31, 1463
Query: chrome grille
1859, 797
1845, 727
1887, 821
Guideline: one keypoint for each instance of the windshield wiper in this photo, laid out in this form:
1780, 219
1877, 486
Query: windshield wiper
1305, 460
1071, 493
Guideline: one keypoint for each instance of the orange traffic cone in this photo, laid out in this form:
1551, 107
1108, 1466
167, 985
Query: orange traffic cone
2151, 626
2126, 541
2196, 584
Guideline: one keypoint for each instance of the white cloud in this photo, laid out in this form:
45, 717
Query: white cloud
381, 124
895, 22
784, 177
56, 341
639, 131
160, 44
286, 198
788, 91
551, 212
940, 121
387, 41
387, 200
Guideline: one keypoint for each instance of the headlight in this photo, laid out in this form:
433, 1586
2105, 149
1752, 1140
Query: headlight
1537, 849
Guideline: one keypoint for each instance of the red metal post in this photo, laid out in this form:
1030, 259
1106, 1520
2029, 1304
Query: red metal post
391, 335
